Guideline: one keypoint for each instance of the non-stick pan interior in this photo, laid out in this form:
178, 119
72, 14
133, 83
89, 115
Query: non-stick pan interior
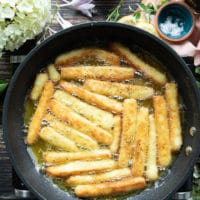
78, 36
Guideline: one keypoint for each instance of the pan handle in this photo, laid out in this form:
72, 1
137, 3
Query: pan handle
185, 192
183, 196
20, 190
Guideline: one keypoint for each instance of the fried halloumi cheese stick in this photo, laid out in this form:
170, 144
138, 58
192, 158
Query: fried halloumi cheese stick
54, 75
100, 101
54, 157
138, 63
141, 142
128, 132
39, 83
92, 113
115, 174
151, 163
52, 137
36, 120
109, 188
78, 167
175, 132
162, 130
110, 73
116, 132
80, 123
76, 55
119, 89
82, 140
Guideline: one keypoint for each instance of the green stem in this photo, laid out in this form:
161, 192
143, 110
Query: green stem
115, 13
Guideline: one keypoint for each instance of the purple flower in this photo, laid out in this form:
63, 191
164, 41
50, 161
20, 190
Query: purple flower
63, 23
85, 6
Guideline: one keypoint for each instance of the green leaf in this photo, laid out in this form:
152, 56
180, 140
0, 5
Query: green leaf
163, 2
142, 6
197, 70
155, 7
198, 84
3, 85
147, 16
136, 16
151, 9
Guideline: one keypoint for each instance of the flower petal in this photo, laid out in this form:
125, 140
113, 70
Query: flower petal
84, 6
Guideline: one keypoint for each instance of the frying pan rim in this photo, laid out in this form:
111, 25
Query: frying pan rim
84, 25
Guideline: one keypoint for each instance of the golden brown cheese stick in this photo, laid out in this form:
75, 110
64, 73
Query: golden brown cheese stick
141, 142
52, 137
80, 123
82, 140
76, 55
139, 64
151, 163
110, 188
78, 167
175, 132
110, 73
97, 178
36, 120
116, 132
128, 131
39, 83
54, 75
92, 113
54, 157
162, 129
100, 101
119, 89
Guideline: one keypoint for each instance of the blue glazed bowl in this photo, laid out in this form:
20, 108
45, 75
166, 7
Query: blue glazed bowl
174, 21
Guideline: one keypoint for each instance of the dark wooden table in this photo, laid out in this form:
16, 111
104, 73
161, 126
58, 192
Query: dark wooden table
103, 7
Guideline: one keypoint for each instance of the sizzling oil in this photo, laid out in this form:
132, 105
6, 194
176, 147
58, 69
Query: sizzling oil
138, 79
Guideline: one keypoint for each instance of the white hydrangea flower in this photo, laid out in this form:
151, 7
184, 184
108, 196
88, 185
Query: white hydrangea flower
6, 13
9, 2
3, 39
25, 6
21, 20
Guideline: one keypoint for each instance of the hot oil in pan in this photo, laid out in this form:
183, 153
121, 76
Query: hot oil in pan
40, 146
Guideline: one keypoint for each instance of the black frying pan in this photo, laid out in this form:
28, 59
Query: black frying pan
78, 36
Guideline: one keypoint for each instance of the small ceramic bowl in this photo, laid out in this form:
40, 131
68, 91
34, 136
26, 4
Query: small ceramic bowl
174, 21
